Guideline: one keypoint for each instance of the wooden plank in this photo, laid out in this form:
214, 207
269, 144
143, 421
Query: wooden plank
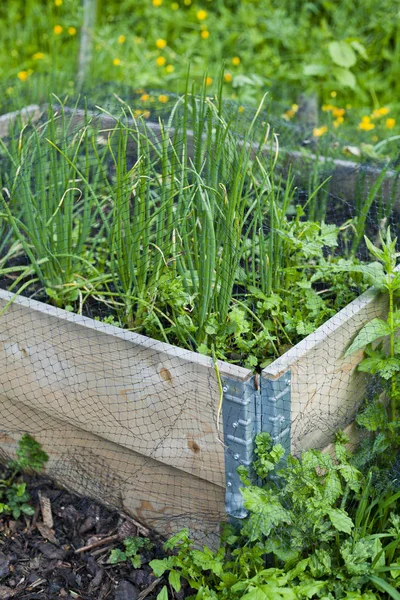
151, 397
27, 114
326, 388
158, 496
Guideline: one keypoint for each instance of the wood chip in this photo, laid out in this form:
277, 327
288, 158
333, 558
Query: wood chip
47, 533
45, 506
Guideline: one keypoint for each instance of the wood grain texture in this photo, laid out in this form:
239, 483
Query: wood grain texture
326, 388
158, 496
147, 396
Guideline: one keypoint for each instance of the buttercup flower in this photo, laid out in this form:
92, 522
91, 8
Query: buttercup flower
121, 39
201, 15
58, 2
72, 30
390, 123
205, 34
327, 107
161, 60
236, 61
366, 124
116, 62
338, 112
170, 68
23, 75
145, 97
241, 109
38, 56
57, 29
157, 2
228, 77
163, 98
174, 6
319, 131
333, 94
160, 44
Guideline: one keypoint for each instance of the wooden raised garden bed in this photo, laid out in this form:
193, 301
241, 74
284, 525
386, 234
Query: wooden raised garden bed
135, 422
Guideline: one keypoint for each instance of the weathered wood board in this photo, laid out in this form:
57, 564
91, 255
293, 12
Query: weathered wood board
27, 114
158, 400
157, 495
326, 388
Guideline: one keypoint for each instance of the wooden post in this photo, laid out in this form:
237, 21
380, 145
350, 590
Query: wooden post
85, 50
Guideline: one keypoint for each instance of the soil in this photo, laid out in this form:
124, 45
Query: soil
62, 551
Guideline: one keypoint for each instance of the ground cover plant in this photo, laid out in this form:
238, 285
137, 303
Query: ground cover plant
184, 231
321, 525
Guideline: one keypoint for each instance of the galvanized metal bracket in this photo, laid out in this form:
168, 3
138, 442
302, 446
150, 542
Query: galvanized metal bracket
247, 410
240, 427
275, 408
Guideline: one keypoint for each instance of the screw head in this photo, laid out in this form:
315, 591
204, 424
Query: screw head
236, 456
225, 388
228, 484
235, 424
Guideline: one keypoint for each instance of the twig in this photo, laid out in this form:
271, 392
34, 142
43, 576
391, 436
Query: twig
102, 542
149, 589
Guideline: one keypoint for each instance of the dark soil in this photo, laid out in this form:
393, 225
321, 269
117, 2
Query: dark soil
69, 558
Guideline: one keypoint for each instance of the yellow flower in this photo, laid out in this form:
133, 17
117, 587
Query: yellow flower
138, 113
160, 44
366, 124
170, 68
338, 122
160, 60
201, 15
163, 98
58, 2
38, 56
289, 114
116, 62
121, 39
319, 131
327, 107
333, 94
209, 80
157, 2
23, 75
146, 114
144, 97
187, 2
236, 61
175, 6
72, 30
228, 77
205, 34
295, 108
57, 29
241, 109
390, 123
338, 112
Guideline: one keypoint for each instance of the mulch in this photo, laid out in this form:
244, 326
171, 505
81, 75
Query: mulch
62, 551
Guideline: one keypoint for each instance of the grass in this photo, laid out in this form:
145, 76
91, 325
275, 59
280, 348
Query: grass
284, 48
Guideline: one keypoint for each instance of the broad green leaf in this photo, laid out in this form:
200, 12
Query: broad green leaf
310, 588
311, 70
266, 508
360, 48
163, 595
368, 334
174, 579
340, 520
116, 556
344, 77
160, 566
373, 417
342, 54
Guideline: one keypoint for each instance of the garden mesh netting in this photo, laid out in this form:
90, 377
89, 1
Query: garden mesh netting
179, 274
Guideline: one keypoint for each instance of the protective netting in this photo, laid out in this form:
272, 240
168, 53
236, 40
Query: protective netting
172, 266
